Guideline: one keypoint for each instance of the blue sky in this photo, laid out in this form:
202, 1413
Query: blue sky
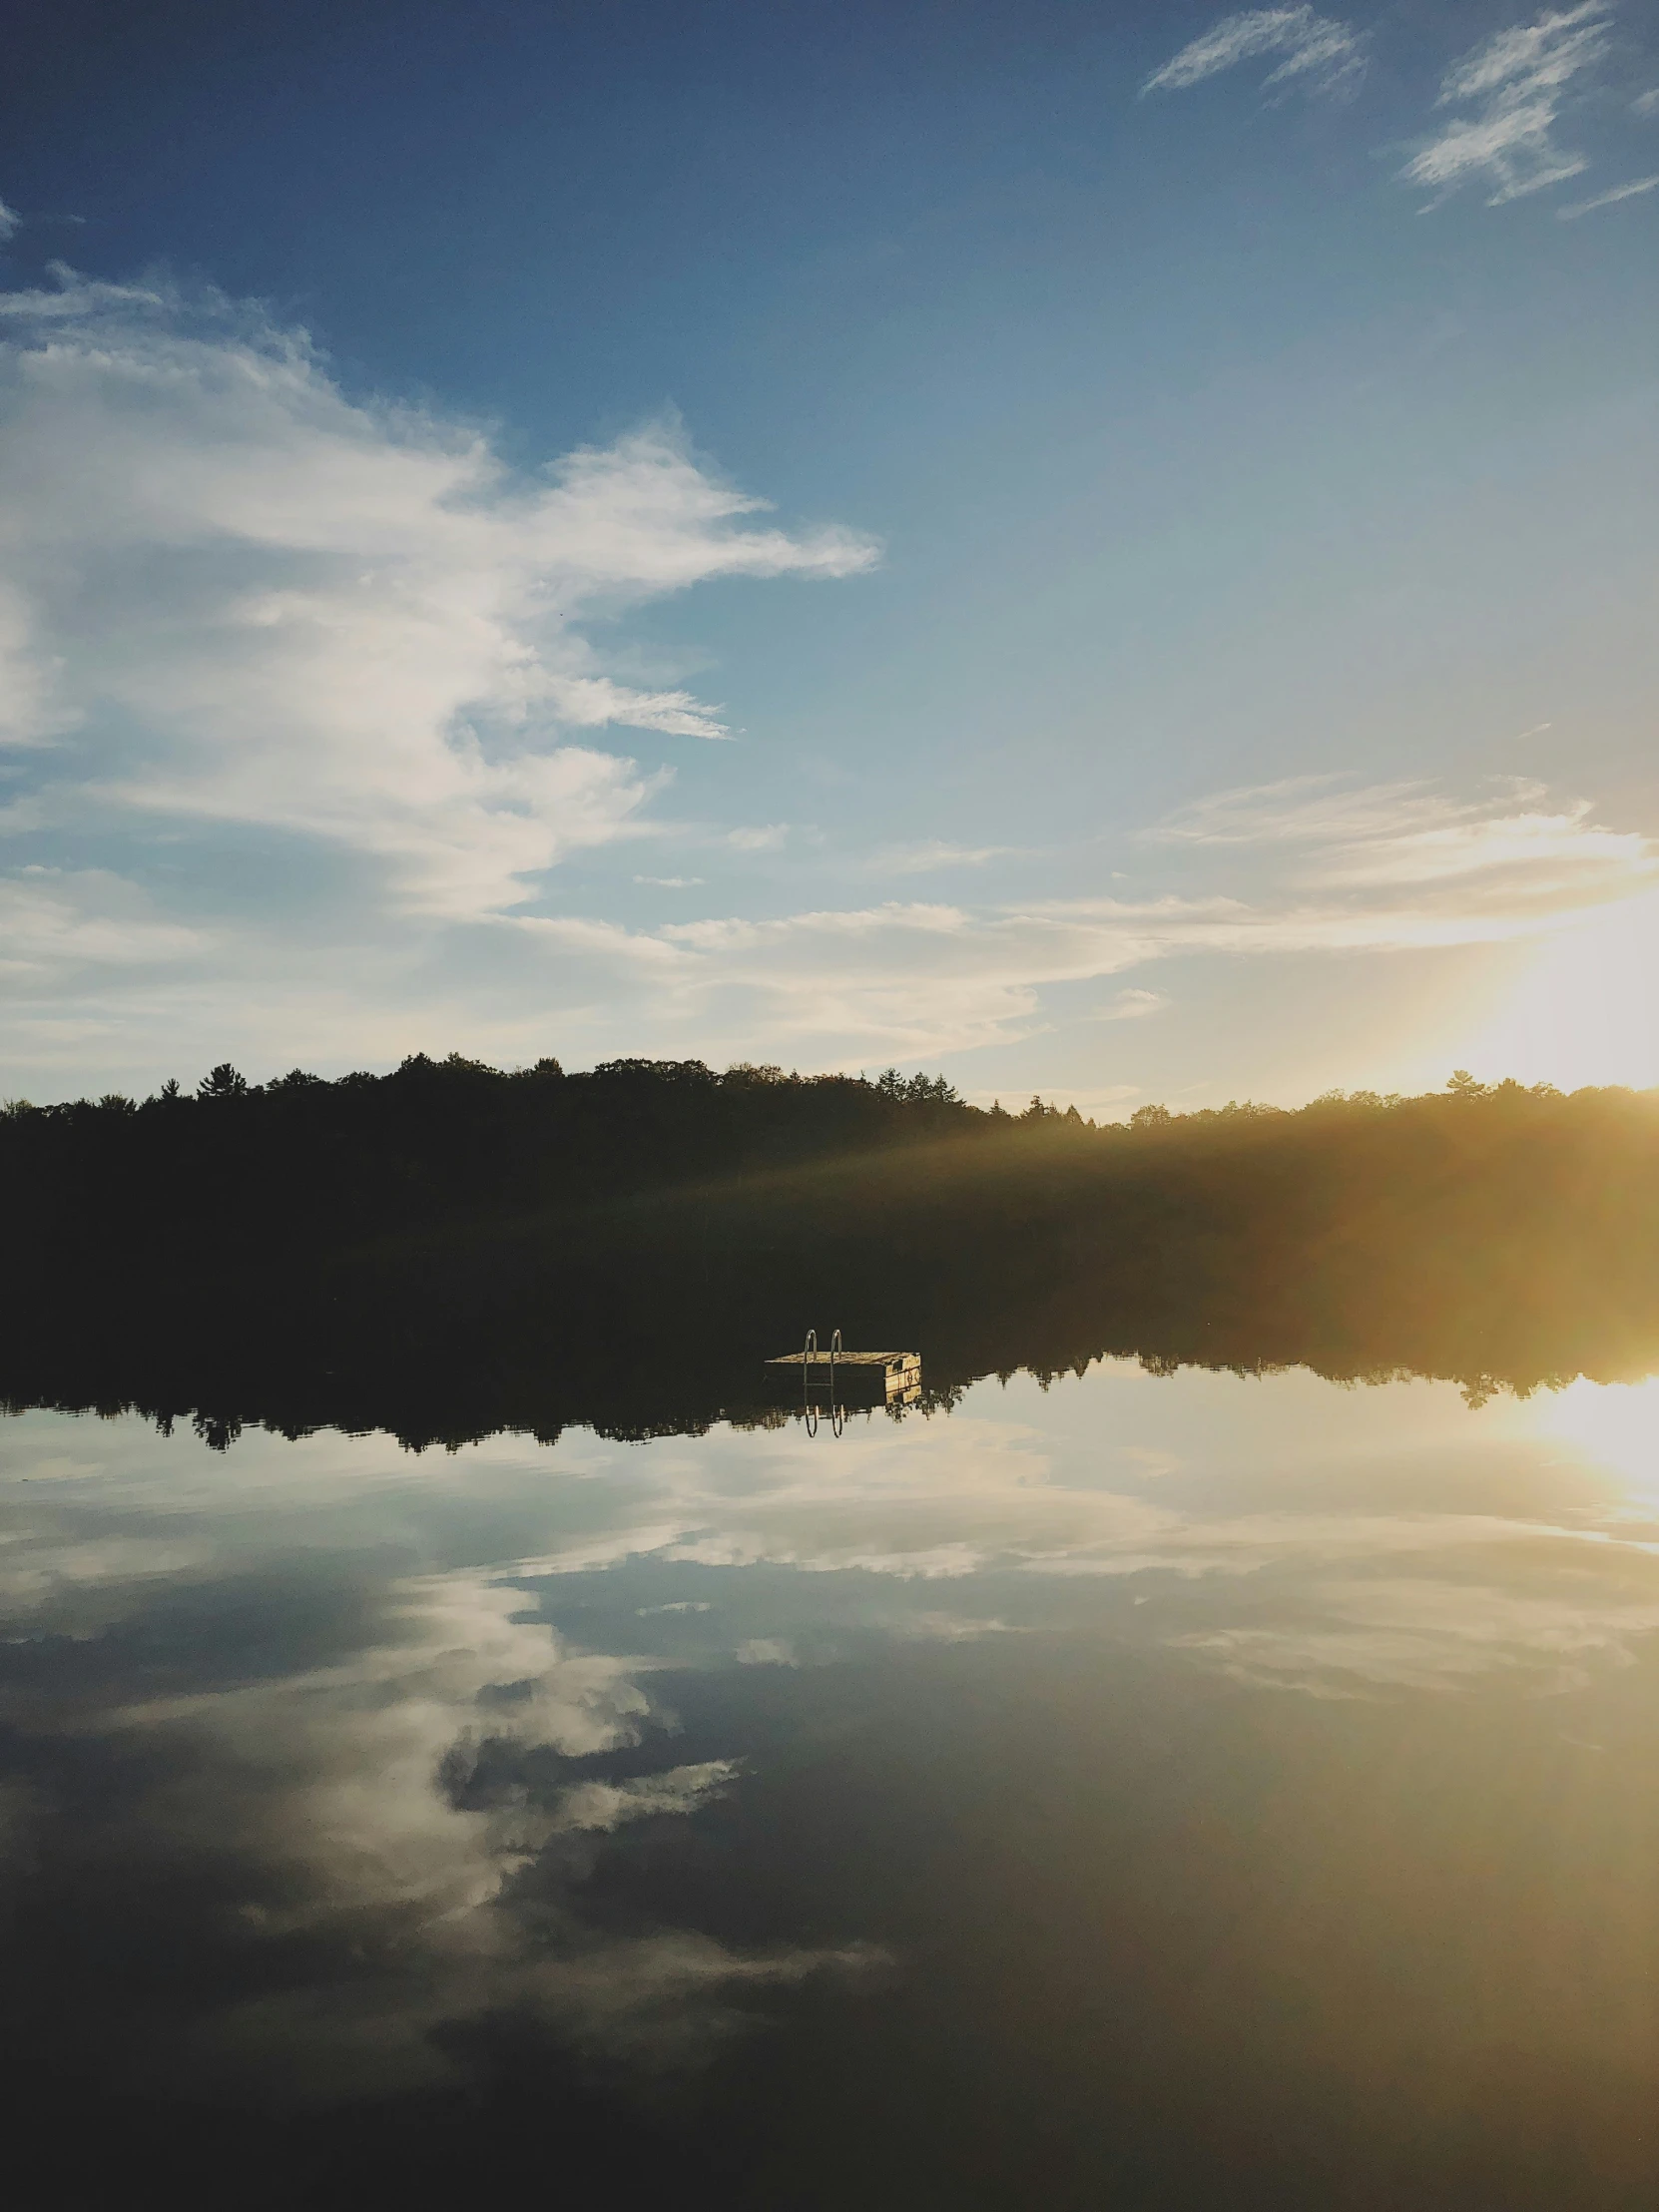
1103, 550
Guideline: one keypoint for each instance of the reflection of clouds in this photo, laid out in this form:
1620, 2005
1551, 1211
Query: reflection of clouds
603, 1806
958, 1497
58, 1466
936, 1499
972, 1495
341, 1790
352, 1750
34, 1567
658, 2002
952, 1628
1146, 1462
1192, 1546
1410, 1633
394, 1792
943, 1499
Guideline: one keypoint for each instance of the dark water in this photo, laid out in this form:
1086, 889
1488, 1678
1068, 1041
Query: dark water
1178, 1789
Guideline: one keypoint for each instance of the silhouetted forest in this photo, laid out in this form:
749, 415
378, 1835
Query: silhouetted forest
450, 1249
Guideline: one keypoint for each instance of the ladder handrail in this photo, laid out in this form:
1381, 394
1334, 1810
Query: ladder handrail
809, 1355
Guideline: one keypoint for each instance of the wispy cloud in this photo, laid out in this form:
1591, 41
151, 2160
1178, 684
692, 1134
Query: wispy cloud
931, 854
254, 600
10, 223
1132, 1006
1413, 835
53, 919
1331, 870
1318, 53
1306, 865
670, 883
1297, 809
1607, 199
1513, 86
1374, 870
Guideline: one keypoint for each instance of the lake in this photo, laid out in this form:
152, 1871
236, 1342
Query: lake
1187, 1789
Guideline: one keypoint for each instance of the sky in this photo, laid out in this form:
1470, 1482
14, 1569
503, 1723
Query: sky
1107, 551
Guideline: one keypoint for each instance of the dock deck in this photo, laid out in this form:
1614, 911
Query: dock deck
891, 1377
888, 1359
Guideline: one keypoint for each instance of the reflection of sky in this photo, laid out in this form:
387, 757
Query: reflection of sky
523, 1731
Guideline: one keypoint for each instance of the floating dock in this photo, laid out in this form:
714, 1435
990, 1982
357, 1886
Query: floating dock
892, 1378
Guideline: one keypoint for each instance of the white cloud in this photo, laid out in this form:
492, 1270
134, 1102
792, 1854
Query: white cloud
1380, 869
1323, 55
1309, 809
1513, 86
670, 883
1412, 834
1132, 1006
1647, 103
232, 597
1326, 868
87, 920
1611, 198
10, 223
230, 594
30, 679
931, 854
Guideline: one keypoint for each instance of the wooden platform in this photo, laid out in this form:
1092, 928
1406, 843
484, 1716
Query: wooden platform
888, 1359
863, 1378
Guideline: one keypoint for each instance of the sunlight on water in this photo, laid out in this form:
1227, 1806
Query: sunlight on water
1610, 1424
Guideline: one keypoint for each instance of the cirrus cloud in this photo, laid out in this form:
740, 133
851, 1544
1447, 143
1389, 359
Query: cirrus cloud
1321, 55
1611, 198
1511, 88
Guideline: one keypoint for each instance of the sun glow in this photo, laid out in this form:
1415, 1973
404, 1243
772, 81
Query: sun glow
1584, 1010
1614, 1425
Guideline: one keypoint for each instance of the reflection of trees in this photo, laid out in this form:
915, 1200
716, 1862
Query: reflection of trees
450, 1249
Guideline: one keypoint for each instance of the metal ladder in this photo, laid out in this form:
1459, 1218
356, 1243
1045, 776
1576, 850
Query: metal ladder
837, 1413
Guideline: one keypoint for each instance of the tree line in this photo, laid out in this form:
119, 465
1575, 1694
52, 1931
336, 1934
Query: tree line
237, 1175
450, 1249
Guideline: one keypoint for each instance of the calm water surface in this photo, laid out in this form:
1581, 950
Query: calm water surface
1153, 1791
